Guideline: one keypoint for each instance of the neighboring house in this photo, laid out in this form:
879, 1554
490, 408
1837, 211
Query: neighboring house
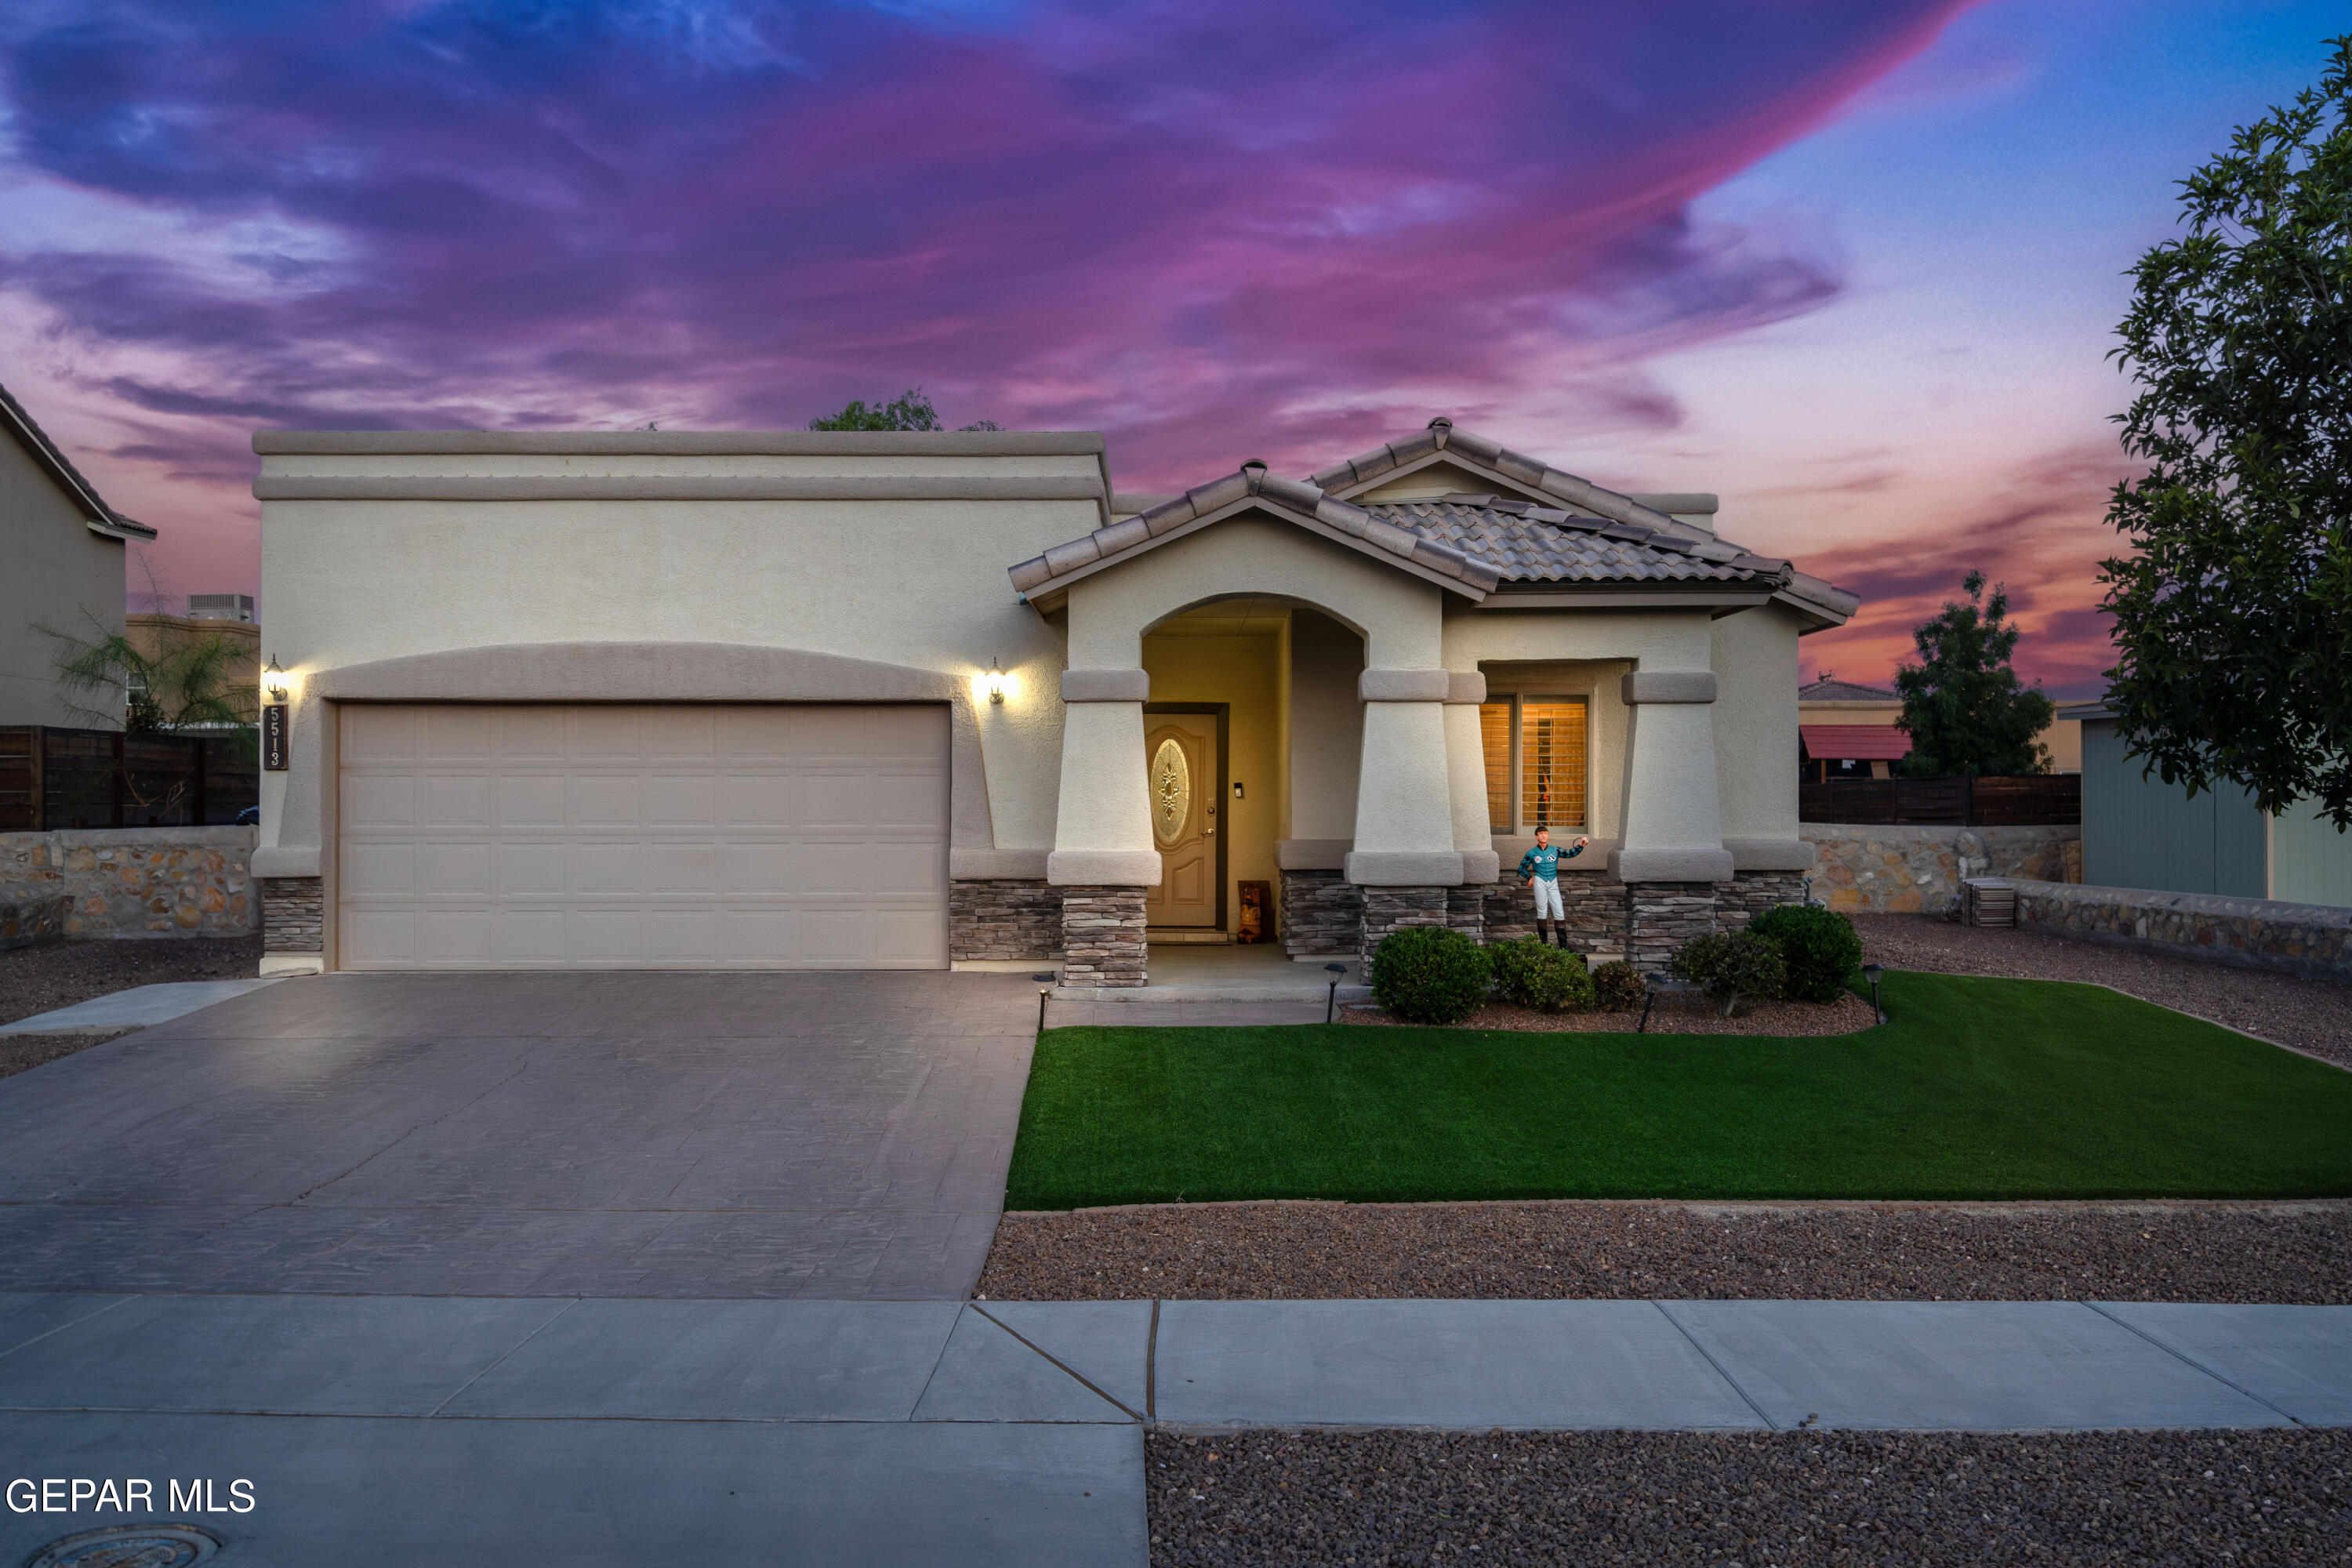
1846, 730
226, 616
2140, 832
695, 700
1849, 732
63, 548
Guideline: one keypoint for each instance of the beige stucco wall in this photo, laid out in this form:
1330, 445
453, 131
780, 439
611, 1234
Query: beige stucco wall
1327, 727
57, 571
1243, 672
911, 583
1396, 613
1756, 766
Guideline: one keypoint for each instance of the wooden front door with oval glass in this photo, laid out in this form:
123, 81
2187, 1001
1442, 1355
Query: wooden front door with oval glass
1185, 776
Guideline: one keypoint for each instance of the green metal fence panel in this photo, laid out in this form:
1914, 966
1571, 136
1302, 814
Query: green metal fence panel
2311, 863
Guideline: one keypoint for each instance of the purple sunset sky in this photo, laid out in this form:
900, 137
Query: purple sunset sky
1854, 263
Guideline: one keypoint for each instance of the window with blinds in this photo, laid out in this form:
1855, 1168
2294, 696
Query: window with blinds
1552, 763
1536, 755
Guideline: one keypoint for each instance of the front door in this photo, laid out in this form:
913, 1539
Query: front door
1181, 764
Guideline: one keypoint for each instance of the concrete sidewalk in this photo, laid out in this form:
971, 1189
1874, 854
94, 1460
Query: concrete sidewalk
385, 1429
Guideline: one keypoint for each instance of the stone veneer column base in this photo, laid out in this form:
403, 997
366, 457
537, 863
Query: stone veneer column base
1595, 906
1393, 909
1003, 918
1751, 893
293, 915
1322, 915
1465, 911
1662, 916
1103, 937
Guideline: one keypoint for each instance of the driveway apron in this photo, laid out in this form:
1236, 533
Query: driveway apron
602, 1134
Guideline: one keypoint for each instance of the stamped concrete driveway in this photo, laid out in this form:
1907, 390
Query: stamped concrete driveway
583, 1134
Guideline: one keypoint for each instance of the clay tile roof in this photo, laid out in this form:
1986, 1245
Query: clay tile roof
1542, 545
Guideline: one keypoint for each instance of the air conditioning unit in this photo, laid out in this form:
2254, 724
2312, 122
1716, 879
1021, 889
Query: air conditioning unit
220, 606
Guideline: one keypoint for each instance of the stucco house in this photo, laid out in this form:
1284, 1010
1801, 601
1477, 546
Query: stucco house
63, 547
857, 700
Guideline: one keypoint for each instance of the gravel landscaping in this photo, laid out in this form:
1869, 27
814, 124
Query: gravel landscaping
1742, 1500
50, 975
2311, 1016
2037, 1252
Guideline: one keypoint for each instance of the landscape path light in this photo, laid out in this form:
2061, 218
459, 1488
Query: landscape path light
1331, 1002
1870, 971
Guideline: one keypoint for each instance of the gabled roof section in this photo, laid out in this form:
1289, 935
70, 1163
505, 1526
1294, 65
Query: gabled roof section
1044, 580
1817, 599
100, 517
1829, 690
1528, 543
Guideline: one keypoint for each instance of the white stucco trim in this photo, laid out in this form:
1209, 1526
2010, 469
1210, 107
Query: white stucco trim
1103, 867
280, 860
1671, 865
1403, 686
1405, 868
1668, 686
1105, 686
980, 865
674, 487
1467, 688
1770, 854
1311, 854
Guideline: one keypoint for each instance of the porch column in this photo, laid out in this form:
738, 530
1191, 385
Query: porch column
1404, 856
1672, 852
1103, 857
1465, 775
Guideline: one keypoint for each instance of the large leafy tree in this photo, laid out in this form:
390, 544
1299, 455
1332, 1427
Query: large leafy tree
2234, 610
910, 410
1965, 708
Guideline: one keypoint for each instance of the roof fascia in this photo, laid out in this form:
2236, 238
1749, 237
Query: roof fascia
1722, 598
1049, 597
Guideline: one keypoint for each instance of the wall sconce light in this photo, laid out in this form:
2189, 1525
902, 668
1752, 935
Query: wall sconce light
995, 682
273, 680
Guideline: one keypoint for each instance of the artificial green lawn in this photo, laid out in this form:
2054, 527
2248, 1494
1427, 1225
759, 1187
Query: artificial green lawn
1977, 1088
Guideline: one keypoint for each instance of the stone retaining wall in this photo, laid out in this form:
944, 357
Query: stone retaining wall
1390, 910
2310, 940
28, 915
1003, 917
134, 881
1900, 870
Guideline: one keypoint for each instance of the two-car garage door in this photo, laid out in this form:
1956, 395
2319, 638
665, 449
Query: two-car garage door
687, 836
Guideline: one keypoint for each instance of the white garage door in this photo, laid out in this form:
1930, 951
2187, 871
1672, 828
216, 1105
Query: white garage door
683, 836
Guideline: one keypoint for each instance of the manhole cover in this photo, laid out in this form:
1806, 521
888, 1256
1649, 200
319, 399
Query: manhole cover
129, 1546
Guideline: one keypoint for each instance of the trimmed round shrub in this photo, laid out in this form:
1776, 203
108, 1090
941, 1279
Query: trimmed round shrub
1821, 947
1618, 986
1534, 974
1735, 967
1428, 974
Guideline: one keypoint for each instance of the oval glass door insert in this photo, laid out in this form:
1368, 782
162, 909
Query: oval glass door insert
1171, 792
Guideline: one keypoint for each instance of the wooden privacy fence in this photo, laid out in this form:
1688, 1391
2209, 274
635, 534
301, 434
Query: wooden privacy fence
52, 779
2034, 800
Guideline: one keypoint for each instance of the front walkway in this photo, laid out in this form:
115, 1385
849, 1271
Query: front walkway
395, 1431
641, 1133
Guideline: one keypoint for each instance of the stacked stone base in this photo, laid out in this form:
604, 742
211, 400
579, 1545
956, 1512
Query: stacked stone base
1322, 915
293, 915
1103, 937
1003, 918
1390, 910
